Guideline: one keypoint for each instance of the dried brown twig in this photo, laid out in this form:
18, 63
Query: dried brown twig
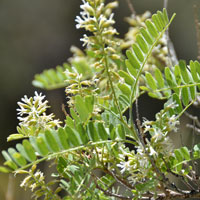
171, 50
197, 27
130, 5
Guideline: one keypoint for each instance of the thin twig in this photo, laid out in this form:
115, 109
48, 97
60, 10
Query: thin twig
107, 192
165, 4
192, 117
182, 194
197, 131
171, 51
152, 161
178, 175
197, 102
107, 66
193, 163
119, 180
197, 27
158, 172
195, 126
138, 118
185, 195
130, 5
191, 187
140, 136
181, 139
10, 188
63, 109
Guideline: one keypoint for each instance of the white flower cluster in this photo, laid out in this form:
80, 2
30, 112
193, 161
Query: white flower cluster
96, 17
29, 183
32, 113
160, 143
32, 107
136, 164
102, 47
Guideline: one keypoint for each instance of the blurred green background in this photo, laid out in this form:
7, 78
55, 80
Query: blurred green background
35, 35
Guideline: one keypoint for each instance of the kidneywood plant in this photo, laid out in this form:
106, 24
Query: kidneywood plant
100, 152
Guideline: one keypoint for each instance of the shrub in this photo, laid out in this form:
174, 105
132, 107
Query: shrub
100, 152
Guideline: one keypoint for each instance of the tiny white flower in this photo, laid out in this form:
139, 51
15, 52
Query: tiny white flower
152, 151
85, 40
25, 181
79, 22
124, 166
87, 8
33, 186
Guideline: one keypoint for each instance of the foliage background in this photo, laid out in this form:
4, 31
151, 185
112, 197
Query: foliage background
35, 35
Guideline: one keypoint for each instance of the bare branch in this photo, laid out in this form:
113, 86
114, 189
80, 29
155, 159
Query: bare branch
171, 50
197, 27
165, 4
63, 109
107, 192
119, 180
130, 5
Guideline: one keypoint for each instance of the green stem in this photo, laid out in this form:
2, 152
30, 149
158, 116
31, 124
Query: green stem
177, 87
102, 43
180, 114
111, 85
64, 152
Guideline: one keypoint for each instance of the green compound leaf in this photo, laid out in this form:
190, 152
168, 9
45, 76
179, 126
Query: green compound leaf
196, 153
138, 55
185, 153
180, 80
183, 156
57, 78
120, 132
52, 78
52, 143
